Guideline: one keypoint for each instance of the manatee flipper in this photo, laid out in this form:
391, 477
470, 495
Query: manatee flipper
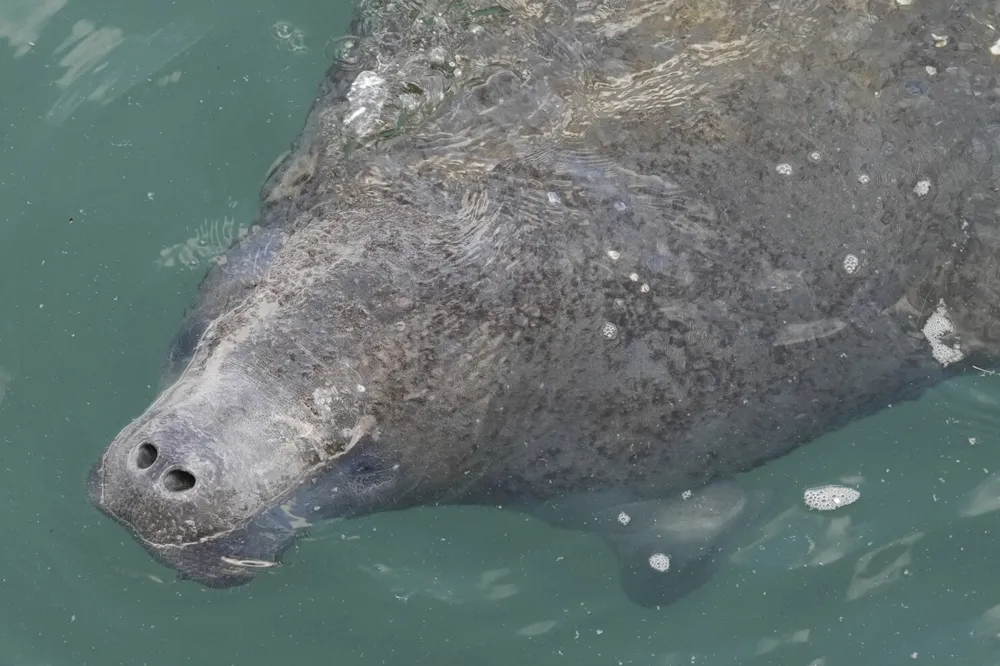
666, 548
654, 574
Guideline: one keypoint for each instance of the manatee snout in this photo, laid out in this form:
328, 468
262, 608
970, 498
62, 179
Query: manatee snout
218, 476
200, 478
166, 465
157, 477
169, 489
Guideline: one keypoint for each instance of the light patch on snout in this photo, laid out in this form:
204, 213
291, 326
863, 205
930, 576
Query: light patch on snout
307, 432
324, 397
304, 432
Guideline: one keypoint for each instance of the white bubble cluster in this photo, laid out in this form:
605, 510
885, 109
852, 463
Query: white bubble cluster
815, 156
624, 518
828, 498
609, 330
686, 494
851, 263
936, 329
785, 169
659, 562
634, 277
922, 187
644, 288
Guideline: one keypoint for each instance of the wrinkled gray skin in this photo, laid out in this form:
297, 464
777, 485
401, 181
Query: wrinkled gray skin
543, 257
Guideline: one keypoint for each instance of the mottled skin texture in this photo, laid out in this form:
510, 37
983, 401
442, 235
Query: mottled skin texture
423, 315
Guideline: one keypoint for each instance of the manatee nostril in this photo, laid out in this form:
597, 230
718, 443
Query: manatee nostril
178, 480
145, 455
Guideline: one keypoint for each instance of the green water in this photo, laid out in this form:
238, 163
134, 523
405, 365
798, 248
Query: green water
135, 139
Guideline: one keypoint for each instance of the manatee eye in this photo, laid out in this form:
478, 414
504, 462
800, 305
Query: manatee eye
364, 466
367, 471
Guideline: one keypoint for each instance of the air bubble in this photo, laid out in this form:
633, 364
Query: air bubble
614, 255
644, 288
864, 178
554, 199
634, 277
624, 518
282, 30
828, 498
289, 37
609, 330
659, 562
297, 43
815, 156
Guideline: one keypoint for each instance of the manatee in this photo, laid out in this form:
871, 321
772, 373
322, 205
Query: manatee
584, 259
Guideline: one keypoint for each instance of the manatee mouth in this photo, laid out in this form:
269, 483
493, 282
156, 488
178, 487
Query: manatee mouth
229, 561
207, 564
250, 564
225, 560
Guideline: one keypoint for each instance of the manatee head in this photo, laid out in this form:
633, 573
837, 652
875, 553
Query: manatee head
262, 431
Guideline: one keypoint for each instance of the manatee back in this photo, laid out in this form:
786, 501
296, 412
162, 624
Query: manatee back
704, 248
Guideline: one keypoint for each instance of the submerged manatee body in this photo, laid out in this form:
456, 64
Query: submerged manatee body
577, 258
